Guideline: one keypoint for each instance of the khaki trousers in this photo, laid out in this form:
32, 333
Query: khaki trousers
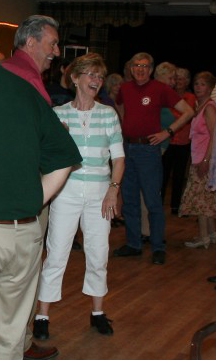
20, 259
43, 219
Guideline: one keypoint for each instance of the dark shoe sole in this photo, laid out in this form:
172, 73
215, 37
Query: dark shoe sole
127, 255
43, 358
108, 330
41, 337
127, 252
103, 333
158, 262
159, 258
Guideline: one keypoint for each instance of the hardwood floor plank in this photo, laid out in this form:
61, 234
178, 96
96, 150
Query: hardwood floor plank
156, 309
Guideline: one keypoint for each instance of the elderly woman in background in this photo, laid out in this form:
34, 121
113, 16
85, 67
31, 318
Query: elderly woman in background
89, 196
165, 72
197, 200
176, 157
109, 91
112, 85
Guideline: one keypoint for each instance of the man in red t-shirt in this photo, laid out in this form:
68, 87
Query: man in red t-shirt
141, 101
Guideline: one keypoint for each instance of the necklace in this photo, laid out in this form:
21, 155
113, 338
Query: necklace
84, 117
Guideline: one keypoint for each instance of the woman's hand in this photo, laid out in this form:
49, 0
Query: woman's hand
65, 125
202, 168
109, 205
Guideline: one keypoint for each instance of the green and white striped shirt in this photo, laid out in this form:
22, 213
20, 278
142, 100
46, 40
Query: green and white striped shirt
97, 133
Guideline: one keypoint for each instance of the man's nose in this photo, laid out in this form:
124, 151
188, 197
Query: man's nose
56, 50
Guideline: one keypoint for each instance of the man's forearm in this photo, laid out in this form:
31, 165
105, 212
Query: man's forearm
53, 182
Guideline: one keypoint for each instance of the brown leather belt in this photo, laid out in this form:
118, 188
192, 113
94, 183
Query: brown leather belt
137, 140
19, 221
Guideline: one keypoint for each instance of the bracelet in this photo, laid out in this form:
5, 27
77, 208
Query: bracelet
170, 131
115, 185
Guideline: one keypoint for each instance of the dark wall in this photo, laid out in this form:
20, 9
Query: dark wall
185, 41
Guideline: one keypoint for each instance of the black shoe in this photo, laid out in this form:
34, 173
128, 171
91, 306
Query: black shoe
76, 245
211, 279
102, 324
174, 211
158, 257
40, 329
117, 221
126, 250
145, 238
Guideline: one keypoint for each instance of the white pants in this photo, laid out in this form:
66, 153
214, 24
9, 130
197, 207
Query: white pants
65, 213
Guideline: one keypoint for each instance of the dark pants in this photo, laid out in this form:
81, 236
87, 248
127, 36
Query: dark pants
143, 172
175, 160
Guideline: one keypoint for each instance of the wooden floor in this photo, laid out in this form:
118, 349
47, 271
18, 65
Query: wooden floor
155, 309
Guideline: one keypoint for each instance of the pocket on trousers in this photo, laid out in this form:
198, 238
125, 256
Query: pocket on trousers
7, 247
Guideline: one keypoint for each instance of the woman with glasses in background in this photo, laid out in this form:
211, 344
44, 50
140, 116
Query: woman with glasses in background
89, 196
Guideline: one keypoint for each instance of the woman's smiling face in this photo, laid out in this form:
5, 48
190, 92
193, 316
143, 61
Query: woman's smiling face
89, 81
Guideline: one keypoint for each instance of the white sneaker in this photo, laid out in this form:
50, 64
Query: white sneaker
199, 242
213, 237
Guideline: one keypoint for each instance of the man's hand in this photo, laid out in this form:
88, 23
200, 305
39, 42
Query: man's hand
157, 138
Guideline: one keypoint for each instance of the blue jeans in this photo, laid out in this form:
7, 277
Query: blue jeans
143, 172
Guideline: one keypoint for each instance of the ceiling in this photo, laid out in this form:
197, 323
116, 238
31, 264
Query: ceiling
167, 7
180, 7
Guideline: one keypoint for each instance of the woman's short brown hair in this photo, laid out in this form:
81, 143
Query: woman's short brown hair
81, 63
207, 76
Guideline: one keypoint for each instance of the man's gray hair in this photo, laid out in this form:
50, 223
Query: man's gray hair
33, 26
142, 56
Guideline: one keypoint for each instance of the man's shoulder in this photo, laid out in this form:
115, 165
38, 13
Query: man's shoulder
20, 69
6, 75
15, 87
21, 64
127, 84
153, 83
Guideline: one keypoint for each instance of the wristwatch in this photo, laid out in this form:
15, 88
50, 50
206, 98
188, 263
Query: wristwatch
170, 131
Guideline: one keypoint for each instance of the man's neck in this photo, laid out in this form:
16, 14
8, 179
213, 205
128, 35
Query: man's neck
140, 83
26, 51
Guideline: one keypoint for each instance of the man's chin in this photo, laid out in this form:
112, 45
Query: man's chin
141, 81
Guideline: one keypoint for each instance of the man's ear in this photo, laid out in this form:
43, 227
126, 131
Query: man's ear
30, 41
151, 70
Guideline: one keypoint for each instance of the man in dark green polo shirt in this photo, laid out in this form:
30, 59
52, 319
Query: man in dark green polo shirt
32, 142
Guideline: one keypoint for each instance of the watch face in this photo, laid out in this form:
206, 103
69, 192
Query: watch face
170, 131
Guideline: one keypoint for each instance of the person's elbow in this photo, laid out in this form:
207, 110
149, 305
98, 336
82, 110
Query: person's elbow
185, 109
190, 112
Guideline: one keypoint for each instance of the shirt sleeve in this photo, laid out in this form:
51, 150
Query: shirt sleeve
170, 97
115, 136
